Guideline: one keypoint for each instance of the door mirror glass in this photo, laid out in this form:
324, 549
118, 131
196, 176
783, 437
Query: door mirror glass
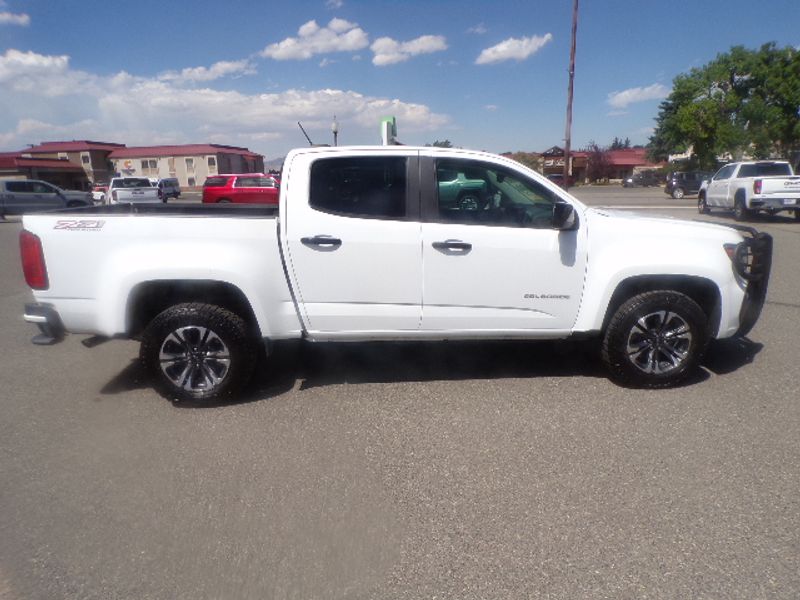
564, 217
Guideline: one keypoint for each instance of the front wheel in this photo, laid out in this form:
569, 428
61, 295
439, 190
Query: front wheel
677, 193
198, 352
655, 339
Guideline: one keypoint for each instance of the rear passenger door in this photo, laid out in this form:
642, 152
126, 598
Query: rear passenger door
353, 240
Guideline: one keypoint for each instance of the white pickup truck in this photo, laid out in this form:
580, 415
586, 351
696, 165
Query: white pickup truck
123, 190
376, 243
752, 186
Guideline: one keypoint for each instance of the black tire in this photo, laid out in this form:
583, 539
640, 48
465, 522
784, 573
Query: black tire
678, 193
223, 201
656, 339
702, 205
740, 211
198, 352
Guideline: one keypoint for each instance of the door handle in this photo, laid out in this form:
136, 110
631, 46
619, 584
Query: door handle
322, 241
453, 245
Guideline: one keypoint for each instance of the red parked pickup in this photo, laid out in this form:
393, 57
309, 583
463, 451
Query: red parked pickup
253, 188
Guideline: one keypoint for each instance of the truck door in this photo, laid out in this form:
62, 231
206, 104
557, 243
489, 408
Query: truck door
717, 193
492, 260
352, 235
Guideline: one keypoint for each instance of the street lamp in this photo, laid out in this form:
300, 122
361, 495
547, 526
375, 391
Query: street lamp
335, 130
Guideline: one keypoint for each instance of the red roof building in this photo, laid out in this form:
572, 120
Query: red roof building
624, 162
60, 172
91, 156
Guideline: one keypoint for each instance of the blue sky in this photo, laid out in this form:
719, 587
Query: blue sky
485, 75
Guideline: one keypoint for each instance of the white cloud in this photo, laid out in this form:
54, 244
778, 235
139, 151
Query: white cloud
21, 19
621, 100
334, 4
155, 110
490, 107
216, 71
388, 51
338, 36
479, 29
513, 49
46, 75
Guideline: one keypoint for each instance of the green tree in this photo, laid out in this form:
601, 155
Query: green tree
441, 144
599, 163
742, 102
619, 144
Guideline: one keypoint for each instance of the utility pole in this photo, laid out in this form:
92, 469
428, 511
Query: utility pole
568, 134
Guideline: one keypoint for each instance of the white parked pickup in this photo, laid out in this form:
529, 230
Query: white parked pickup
122, 190
749, 187
392, 243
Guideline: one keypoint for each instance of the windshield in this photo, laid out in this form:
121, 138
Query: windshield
132, 182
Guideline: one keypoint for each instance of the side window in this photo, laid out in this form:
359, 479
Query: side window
747, 171
485, 194
245, 182
42, 188
19, 187
725, 172
360, 186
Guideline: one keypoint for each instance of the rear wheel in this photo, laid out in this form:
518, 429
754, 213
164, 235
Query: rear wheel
198, 352
678, 193
702, 205
655, 339
740, 210
223, 201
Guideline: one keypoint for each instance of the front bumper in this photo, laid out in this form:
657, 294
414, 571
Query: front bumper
49, 322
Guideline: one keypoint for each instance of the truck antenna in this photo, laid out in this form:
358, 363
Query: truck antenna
310, 143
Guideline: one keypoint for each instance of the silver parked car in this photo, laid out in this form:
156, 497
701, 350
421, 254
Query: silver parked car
18, 197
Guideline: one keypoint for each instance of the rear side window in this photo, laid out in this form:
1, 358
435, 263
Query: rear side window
19, 186
768, 169
216, 182
373, 186
254, 182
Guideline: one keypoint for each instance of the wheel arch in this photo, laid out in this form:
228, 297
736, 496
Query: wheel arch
150, 298
703, 291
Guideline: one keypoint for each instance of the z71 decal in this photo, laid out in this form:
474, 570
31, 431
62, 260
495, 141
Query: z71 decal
79, 225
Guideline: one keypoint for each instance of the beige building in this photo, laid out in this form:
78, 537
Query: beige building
91, 156
190, 164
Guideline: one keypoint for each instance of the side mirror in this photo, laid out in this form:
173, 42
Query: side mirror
564, 217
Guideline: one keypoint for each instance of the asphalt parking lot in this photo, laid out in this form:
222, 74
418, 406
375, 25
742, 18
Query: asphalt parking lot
507, 470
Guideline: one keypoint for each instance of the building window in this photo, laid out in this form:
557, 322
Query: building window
212, 162
63, 156
192, 182
190, 165
85, 158
149, 167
